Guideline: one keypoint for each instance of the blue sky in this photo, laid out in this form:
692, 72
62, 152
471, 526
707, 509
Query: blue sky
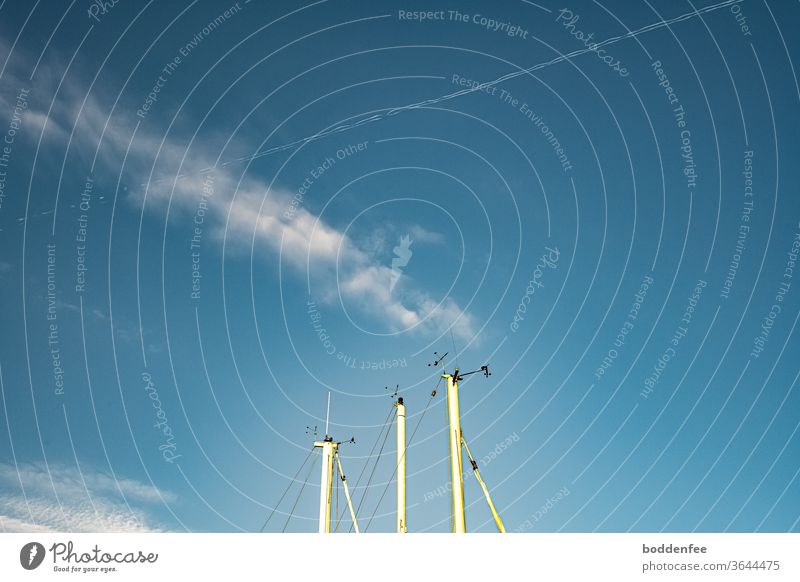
215, 214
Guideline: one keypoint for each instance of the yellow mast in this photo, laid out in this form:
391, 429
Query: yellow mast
456, 474
456, 439
330, 452
402, 526
329, 449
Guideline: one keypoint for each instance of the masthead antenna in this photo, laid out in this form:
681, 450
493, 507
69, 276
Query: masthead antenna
328, 414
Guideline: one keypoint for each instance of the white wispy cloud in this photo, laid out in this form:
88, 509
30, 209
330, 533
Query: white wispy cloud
248, 210
425, 236
312, 247
63, 499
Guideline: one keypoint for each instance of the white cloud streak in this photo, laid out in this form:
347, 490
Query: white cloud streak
87, 501
306, 243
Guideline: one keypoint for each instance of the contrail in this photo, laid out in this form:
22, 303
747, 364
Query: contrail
383, 115
427, 102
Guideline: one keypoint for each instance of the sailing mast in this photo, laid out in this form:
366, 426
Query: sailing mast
329, 448
456, 441
330, 453
456, 472
402, 524
457, 444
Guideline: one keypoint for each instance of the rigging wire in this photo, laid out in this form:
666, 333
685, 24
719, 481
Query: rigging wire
336, 470
375, 466
291, 513
285, 491
411, 438
338, 515
455, 352
366, 464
